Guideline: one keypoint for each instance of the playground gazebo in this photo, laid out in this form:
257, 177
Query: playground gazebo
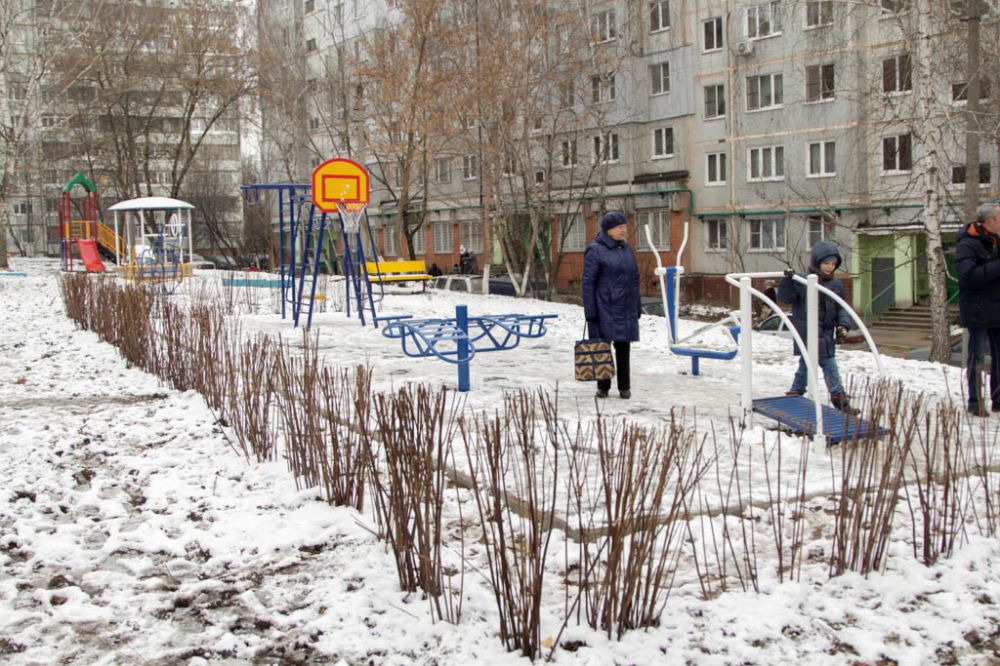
145, 219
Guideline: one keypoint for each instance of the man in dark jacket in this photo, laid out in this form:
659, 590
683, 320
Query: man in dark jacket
833, 321
611, 296
977, 263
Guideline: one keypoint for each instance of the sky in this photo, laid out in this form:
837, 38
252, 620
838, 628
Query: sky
133, 531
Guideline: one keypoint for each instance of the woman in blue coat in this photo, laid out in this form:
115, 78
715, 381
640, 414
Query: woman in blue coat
611, 296
833, 320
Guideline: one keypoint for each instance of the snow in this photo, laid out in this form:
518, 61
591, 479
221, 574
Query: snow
131, 530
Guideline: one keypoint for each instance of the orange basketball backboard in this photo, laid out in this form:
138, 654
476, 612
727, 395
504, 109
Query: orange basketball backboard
339, 181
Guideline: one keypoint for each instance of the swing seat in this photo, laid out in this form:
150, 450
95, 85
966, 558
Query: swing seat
397, 271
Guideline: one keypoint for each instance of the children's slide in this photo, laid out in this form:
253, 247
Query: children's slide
89, 255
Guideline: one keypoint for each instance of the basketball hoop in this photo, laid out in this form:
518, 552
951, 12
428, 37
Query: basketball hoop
350, 213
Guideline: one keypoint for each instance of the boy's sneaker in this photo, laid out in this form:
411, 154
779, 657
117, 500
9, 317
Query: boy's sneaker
795, 392
842, 403
977, 410
602, 393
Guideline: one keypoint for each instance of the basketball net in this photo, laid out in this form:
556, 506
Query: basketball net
350, 213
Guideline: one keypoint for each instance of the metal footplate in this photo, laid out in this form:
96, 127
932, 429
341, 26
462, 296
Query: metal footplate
798, 414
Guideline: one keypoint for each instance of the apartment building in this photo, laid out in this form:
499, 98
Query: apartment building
761, 126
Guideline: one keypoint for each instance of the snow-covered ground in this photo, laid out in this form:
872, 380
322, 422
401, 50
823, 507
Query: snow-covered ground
131, 531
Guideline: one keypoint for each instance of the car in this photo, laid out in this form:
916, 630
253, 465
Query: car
956, 356
652, 306
773, 325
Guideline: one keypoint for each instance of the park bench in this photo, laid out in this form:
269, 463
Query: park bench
398, 271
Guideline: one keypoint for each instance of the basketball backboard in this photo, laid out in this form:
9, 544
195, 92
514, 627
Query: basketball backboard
339, 181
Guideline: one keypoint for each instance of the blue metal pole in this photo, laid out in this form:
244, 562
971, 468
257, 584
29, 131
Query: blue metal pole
462, 321
281, 248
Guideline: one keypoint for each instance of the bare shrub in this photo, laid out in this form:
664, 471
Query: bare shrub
515, 481
985, 467
408, 474
249, 373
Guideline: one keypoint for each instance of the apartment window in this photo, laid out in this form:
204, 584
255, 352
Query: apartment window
567, 94
659, 15
822, 159
602, 88
310, 6
659, 226
389, 241
442, 237
764, 19
764, 92
470, 167
715, 169
338, 13
767, 234
819, 13
660, 74
573, 231
606, 148
663, 142
767, 163
822, 228
442, 170
897, 155
569, 153
820, 82
537, 124
420, 241
471, 234
715, 101
539, 176
712, 29
958, 174
311, 44
602, 26
897, 74
314, 123
960, 91
716, 234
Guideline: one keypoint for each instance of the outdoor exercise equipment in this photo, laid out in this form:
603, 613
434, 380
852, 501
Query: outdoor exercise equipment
83, 235
807, 416
458, 340
670, 293
338, 186
157, 233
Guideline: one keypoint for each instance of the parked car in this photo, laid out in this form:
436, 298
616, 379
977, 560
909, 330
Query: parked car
773, 325
200, 263
956, 356
652, 306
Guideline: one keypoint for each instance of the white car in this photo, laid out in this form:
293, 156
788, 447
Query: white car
774, 326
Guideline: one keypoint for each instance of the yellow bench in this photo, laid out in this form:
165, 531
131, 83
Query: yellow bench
397, 271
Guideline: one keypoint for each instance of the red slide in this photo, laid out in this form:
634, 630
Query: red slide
89, 255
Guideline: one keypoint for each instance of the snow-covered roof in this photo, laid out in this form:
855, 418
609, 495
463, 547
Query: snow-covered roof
152, 203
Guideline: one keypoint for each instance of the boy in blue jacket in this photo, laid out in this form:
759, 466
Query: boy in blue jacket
833, 321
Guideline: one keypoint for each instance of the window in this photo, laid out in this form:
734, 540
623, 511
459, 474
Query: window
573, 231
537, 124
716, 234
663, 142
958, 174
311, 45
897, 156
606, 148
822, 228
539, 176
659, 226
470, 167
767, 234
713, 34
892, 6
602, 26
659, 15
764, 92
822, 159
569, 153
442, 238
820, 82
661, 78
442, 170
603, 88
766, 163
389, 241
420, 241
314, 123
567, 94
715, 101
471, 235
310, 6
819, 13
715, 169
896, 74
764, 20
960, 91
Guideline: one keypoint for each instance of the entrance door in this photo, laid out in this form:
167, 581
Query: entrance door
883, 283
